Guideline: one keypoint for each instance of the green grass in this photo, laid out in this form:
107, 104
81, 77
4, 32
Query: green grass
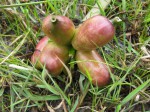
25, 88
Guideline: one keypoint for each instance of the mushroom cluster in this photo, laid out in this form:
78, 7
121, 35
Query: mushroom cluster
53, 49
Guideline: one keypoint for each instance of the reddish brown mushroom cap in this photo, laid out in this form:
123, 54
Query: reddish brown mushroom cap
51, 56
38, 49
94, 32
93, 64
59, 28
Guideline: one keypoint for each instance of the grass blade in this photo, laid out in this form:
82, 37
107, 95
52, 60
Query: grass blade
133, 93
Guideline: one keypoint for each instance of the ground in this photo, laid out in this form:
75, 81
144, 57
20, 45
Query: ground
23, 88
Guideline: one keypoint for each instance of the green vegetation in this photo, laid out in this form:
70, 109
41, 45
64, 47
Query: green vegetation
24, 88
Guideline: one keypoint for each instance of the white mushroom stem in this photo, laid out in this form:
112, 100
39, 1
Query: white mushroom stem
95, 10
115, 20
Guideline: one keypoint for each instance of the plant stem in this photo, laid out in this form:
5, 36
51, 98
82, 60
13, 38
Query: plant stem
25, 4
83, 95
